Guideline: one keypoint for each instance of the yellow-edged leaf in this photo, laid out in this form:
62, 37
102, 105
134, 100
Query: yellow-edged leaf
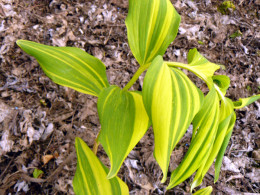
124, 122
224, 145
242, 102
205, 126
68, 66
91, 175
151, 26
171, 101
225, 123
204, 191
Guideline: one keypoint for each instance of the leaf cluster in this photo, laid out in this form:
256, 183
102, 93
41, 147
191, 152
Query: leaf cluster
169, 101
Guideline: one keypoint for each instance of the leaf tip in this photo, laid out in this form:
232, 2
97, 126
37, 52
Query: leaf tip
77, 141
19, 42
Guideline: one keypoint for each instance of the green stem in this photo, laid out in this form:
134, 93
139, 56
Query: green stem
96, 144
221, 95
190, 68
177, 64
136, 76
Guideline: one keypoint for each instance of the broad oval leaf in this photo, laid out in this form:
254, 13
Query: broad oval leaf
205, 126
171, 101
124, 122
204, 191
242, 102
68, 66
91, 174
151, 26
225, 123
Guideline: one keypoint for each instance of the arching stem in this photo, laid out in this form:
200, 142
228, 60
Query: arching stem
136, 76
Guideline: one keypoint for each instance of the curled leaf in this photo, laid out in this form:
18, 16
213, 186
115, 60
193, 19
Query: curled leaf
222, 82
242, 102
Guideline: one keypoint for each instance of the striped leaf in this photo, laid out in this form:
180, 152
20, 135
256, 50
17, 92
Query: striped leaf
225, 123
205, 126
124, 122
199, 65
204, 191
171, 101
151, 26
68, 66
246, 101
90, 177
224, 146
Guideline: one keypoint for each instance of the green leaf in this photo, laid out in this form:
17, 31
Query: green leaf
224, 146
200, 42
226, 122
222, 82
151, 26
68, 66
90, 176
205, 126
124, 122
199, 65
242, 102
37, 173
225, 6
236, 34
204, 191
171, 101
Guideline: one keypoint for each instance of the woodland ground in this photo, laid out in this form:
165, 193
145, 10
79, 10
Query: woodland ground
39, 119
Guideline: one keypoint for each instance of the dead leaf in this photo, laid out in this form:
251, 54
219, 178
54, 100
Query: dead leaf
47, 158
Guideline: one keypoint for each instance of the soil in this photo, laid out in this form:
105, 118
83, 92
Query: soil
39, 120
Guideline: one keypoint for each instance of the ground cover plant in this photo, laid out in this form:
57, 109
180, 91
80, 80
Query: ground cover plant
169, 100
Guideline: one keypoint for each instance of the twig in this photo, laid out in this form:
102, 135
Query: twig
11, 180
6, 168
59, 169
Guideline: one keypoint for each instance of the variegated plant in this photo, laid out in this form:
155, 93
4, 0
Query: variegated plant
170, 102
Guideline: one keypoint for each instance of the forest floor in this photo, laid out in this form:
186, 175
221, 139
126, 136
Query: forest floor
39, 120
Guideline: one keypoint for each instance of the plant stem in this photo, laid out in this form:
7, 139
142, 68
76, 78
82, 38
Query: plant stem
177, 64
136, 76
96, 144
190, 68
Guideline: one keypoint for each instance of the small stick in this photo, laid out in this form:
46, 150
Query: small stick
96, 144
